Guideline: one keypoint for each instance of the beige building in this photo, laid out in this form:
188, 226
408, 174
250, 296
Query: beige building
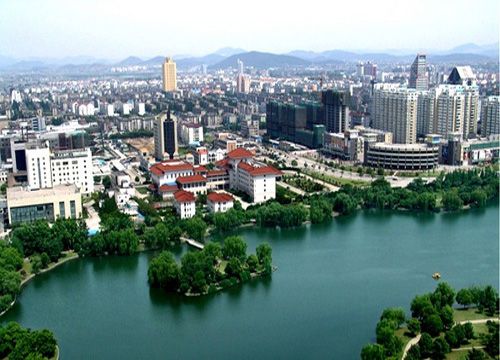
395, 111
169, 70
60, 201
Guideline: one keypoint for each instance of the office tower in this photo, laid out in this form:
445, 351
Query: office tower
240, 66
282, 120
242, 83
165, 137
395, 110
490, 116
370, 69
462, 75
360, 70
169, 75
418, 74
336, 107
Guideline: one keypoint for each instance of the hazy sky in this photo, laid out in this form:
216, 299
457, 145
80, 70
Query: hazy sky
118, 28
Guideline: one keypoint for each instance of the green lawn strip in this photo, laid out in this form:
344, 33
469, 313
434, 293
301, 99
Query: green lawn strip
467, 314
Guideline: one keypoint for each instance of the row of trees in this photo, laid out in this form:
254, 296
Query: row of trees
210, 269
432, 316
18, 343
11, 262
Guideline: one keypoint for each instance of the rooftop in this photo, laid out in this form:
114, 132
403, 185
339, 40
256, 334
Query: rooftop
191, 179
239, 153
184, 196
20, 193
219, 197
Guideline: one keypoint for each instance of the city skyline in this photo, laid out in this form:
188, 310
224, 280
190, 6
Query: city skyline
120, 29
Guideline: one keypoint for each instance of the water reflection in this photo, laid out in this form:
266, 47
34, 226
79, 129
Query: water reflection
126, 264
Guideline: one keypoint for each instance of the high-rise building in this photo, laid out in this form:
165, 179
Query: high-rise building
457, 110
240, 67
490, 116
462, 75
165, 137
336, 108
169, 75
395, 110
48, 168
243, 83
418, 73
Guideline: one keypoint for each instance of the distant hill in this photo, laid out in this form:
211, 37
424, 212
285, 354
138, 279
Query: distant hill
261, 60
209, 59
462, 59
130, 61
157, 60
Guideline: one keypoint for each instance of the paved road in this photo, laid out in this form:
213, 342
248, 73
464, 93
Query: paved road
412, 342
302, 160
291, 188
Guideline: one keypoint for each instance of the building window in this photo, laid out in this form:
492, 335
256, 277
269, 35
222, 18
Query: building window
62, 210
72, 206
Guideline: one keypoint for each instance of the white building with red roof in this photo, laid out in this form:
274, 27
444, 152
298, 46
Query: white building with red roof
219, 202
167, 172
197, 184
256, 179
184, 203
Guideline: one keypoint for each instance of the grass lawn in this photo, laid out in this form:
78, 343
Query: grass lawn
468, 314
142, 190
456, 355
334, 180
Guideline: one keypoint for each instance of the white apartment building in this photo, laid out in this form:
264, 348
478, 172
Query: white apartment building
395, 110
490, 116
48, 168
191, 133
184, 203
257, 180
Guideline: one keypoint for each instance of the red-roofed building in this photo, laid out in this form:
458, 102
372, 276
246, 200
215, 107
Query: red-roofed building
184, 202
196, 184
165, 173
240, 153
219, 202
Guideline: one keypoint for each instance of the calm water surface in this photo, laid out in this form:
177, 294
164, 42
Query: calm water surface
332, 283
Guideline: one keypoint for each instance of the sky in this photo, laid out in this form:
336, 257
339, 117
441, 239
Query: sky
115, 29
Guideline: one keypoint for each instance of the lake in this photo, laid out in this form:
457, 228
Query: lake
323, 302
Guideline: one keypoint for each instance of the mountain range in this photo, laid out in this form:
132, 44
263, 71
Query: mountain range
227, 57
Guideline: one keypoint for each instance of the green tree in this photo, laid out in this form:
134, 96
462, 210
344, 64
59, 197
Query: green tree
420, 306
443, 295
479, 198
106, 182
199, 282
234, 246
439, 349
413, 353
373, 352
446, 315
464, 297
468, 331
164, 272
395, 314
452, 201
425, 345
432, 324
413, 326
476, 354
195, 228
36, 263
252, 263
489, 300
264, 253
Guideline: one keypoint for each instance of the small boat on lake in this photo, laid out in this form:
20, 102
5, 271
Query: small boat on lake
436, 276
